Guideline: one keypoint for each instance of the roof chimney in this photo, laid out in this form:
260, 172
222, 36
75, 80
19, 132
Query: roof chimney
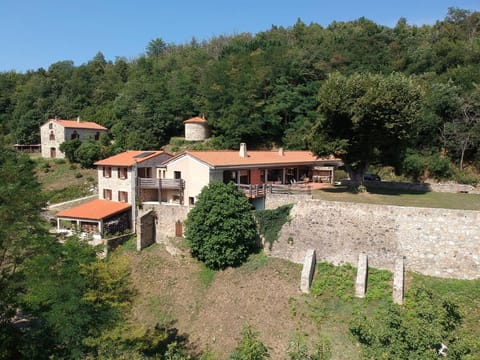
243, 150
281, 152
78, 118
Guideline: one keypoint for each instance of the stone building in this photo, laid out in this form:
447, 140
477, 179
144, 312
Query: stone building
55, 131
196, 129
123, 179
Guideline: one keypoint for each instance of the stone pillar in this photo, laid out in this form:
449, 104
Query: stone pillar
308, 270
398, 281
362, 270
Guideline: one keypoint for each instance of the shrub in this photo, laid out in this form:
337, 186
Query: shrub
249, 346
88, 153
439, 167
78, 175
414, 166
221, 229
414, 331
270, 222
60, 161
464, 177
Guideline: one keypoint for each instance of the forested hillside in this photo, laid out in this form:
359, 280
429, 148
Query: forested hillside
263, 89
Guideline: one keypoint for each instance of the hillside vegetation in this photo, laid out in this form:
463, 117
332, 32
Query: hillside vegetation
264, 293
263, 89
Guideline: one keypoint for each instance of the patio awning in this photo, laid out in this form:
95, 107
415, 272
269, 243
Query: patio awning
95, 210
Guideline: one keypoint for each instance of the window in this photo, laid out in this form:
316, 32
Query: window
74, 135
144, 172
177, 174
107, 171
191, 200
123, 196
50, 126
97, 136
52, 135
122, 172
107, 194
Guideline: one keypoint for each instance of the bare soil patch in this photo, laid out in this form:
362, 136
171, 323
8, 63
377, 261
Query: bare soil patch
263, 293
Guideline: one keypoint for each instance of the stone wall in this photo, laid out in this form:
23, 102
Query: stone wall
167, 216
436, 242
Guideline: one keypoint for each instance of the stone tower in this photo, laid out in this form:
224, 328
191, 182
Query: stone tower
196, 129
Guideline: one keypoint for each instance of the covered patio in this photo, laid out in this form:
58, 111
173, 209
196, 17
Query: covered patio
97, 217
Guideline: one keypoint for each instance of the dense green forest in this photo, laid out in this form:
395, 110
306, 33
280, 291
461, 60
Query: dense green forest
264, 89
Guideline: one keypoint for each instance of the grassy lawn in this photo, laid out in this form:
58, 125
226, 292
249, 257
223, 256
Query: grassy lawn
62, 181
401, 198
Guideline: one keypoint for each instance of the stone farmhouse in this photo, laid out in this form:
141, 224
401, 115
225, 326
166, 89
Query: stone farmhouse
55, 131
114, 210
145, 179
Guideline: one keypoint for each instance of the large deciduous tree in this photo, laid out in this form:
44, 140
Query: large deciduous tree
220, 229
365, 118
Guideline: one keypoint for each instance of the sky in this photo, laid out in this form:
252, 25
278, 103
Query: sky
38, 33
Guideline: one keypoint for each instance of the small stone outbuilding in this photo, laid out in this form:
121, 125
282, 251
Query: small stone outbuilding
196, 129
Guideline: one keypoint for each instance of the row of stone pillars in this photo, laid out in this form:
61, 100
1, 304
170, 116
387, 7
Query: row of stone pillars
398, 279
362, 276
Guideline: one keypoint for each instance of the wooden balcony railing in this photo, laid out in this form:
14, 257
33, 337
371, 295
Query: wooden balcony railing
154, 183
260, 190
253, 191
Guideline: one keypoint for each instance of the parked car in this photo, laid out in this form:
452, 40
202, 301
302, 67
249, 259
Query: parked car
371, 177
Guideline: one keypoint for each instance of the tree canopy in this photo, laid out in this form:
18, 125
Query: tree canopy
365, 118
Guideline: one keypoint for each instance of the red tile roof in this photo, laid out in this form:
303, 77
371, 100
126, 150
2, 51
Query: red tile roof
74, 124
255, 158
128, 158
95, 210
195, 120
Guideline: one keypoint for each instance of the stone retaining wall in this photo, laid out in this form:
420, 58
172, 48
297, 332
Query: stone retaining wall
167, 216
436, 242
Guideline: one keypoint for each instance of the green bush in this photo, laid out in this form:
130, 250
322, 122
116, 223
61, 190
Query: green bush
78, 175
440, 167
270, 222
414, 166
249, 346
221, 229
464, 177
414, 331
60, 161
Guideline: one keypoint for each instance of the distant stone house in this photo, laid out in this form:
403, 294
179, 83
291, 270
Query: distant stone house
55, 131
118, 193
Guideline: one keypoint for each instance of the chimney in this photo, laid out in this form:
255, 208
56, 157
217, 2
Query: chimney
281, 152
78, 118
243, 150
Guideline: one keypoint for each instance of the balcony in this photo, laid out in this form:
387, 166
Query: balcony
260, 190
154, 183
253, 191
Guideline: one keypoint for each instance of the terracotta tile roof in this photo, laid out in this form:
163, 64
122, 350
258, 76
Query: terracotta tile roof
97, 209
233, 158
195, 120
128, 158
74, 124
